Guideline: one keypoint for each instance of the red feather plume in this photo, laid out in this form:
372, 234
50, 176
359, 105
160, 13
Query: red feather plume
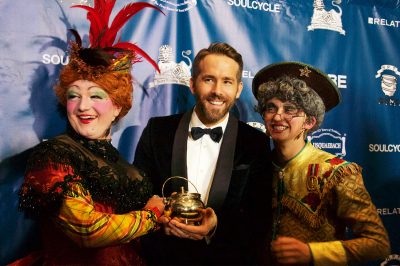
121, 18
102, 34
96, 24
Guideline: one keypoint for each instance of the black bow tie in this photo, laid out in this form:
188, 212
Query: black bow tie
215, 133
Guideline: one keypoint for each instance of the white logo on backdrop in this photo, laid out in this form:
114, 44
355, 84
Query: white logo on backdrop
379, 147
388, 81
256, 5
326, 20
176, 6
329, 140
78, 2
170, 71
55, 59
384, 22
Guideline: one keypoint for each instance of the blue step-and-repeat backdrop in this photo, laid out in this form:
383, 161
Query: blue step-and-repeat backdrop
356, 42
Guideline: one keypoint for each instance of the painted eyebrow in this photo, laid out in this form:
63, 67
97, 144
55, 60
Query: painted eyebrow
72, 86
91, 87
96, 87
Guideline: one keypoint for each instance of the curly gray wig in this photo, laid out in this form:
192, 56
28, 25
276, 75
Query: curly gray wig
296, 91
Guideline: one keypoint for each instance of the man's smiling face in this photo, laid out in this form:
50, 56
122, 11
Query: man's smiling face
216, 88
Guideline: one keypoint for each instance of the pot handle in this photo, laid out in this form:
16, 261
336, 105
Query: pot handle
179, 177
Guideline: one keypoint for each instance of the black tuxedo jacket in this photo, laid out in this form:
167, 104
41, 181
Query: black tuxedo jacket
240, 193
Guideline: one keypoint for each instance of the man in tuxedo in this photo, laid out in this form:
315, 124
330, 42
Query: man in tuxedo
228, 163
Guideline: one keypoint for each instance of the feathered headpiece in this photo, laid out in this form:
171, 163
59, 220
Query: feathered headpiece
104, 55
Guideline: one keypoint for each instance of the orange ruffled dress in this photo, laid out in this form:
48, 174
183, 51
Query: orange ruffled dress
88, 201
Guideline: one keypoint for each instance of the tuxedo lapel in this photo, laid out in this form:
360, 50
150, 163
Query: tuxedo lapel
223, 171
179, 149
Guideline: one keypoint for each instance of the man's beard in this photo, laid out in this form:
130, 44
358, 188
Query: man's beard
212, 116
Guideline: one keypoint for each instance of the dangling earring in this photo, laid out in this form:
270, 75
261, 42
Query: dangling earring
301, 133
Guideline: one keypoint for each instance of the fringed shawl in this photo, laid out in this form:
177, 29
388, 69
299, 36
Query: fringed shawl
309, 181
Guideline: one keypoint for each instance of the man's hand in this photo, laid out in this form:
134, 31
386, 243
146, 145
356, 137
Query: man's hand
289, 250
196, 232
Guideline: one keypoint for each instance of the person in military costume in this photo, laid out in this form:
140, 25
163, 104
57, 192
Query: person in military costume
317, 195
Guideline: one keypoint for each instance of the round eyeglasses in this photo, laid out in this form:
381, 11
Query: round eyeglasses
290, 111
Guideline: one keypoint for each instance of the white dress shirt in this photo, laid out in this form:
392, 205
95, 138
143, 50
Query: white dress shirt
201, 158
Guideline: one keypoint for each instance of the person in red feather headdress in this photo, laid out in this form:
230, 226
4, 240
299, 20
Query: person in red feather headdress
92, 205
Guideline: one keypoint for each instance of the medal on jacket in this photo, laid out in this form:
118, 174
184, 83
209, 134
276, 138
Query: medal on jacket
312, 178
